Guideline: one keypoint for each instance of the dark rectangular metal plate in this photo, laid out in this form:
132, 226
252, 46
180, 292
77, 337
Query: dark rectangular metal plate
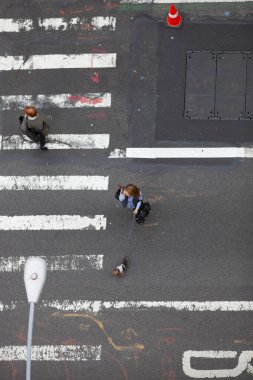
230, 85
200, 85
249, 90
219, 85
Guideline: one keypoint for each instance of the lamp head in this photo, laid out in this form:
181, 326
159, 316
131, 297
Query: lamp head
34, 277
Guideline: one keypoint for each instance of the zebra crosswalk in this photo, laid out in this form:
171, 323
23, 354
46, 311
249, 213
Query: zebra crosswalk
64, 264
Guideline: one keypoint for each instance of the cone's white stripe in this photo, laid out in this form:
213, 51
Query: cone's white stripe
58, 142
59, 100
55, 263
51, 353
52, 222
75, 182
217, 152
173, 15
58, 61
94, 23
100, 306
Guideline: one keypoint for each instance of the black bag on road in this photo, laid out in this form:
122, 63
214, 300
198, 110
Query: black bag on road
144, 210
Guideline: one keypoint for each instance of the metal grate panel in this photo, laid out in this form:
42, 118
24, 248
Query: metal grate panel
200, 85
219, 85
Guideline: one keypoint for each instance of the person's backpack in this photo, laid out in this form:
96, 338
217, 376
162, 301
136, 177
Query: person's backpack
144, 210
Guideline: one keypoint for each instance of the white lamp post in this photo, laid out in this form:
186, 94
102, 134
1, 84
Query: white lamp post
34, 277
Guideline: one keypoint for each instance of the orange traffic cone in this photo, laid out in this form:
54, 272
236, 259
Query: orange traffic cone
173, 19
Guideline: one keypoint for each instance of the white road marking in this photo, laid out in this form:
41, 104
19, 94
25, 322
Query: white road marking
118, 153
9, 307
62, 24
182, 305
52, 222
12, 25
132, 306
55, 353
8, 102
55, 263
58, 61
200, 152
68, 305
70, 141
59, 182
243, 364
94, 23
177, 1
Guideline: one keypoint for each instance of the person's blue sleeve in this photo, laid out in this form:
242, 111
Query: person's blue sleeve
121, 197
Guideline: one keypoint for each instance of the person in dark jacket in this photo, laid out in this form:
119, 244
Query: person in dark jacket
34, 126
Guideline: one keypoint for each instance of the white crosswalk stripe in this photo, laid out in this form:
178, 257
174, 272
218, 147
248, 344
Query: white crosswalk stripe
59, 182
8, 102
96, 306
58, 61
190, 152
61, 141
55, 263
25, 25
51, 222
13, 264
55, 353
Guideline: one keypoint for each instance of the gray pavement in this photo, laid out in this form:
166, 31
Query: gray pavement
196, 245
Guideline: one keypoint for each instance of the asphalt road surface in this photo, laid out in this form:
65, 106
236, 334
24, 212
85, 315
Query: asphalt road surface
184, 308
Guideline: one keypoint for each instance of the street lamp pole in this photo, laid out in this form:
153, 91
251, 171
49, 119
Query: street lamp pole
34, 277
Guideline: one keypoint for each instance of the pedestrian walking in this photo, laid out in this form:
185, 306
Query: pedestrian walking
120, 270
130, 196
34, 126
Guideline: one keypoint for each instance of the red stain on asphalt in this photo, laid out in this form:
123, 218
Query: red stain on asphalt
21, 335
85, 100
169, 375
97, 115
111, 5
166, 340
124, 372
87, 26
67, 371
71, 341
99, 50
93, 37
94, 76
13, 371
166, 360
170, 329
86, 8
